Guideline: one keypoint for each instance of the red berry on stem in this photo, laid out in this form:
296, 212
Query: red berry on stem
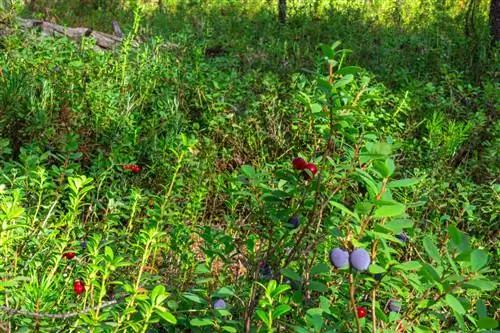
135, 168
299, 163
126, 167
69, 255
78, 287
361, 312
311, 167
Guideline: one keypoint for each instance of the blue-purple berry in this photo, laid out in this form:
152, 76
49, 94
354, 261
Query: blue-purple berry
294, 221
403, 237
377, 277
84, 245
339, 258
394, 306
360, 259
219, 304
266, 271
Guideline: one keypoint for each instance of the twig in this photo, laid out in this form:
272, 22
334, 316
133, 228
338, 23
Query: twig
13, 312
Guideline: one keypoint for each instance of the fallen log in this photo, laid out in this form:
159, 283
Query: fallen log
104, 41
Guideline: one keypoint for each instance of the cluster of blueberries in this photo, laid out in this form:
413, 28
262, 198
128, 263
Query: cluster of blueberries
358, 259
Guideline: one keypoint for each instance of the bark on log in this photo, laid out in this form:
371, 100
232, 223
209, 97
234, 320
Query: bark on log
103, 40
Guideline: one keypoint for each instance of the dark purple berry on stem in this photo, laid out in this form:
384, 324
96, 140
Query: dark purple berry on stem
394, 306
339, 258
219, 304
294, 221
403, 237
360, 259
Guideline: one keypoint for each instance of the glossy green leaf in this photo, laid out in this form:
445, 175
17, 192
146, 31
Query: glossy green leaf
291, 274
478, 259
321, 268
199, 322
317, 286
403, 182
167, 316
389, 209
223, 292
487, 323
281, 310
431, 249
455, 304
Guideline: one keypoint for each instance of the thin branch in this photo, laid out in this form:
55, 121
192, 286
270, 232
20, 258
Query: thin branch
13, 312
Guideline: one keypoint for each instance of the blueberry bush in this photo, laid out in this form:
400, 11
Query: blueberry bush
223, 172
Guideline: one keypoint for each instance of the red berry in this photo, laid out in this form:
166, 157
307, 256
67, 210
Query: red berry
361, 312
69, 255
311, 167
299, 163
126, 167
78, 287
135, 168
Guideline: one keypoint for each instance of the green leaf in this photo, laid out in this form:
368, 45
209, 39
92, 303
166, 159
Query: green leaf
318, 286
263, 316
248, 171
195, 298
280, 289
201, 322
223, 292
430, 272
349, 70
345, 210
478, 259
376, 269
316, 108
481, 310
397, 225
408, 266
455, 304
389, 209
487, 323
431, 249
229, 329
481, 284
343, 81
281, 310
455, 235
167, 316
291, 274
403, 182
320, 268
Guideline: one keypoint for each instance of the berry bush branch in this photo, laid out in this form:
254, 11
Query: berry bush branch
13, 312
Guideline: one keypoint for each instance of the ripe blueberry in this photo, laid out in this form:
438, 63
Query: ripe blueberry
339, 258
69, 255
312, 168
361, 312
403, 237
377, 276
84, 245
78, 287
219, 304
299, 163
294, 221
394, 305
360, 259
265, 271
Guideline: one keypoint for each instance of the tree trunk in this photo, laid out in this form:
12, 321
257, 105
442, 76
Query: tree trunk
495, 20
282, 10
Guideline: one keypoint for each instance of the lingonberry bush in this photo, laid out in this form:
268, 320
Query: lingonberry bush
120, 217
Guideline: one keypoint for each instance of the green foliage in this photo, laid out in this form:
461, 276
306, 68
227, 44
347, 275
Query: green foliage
213, 112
